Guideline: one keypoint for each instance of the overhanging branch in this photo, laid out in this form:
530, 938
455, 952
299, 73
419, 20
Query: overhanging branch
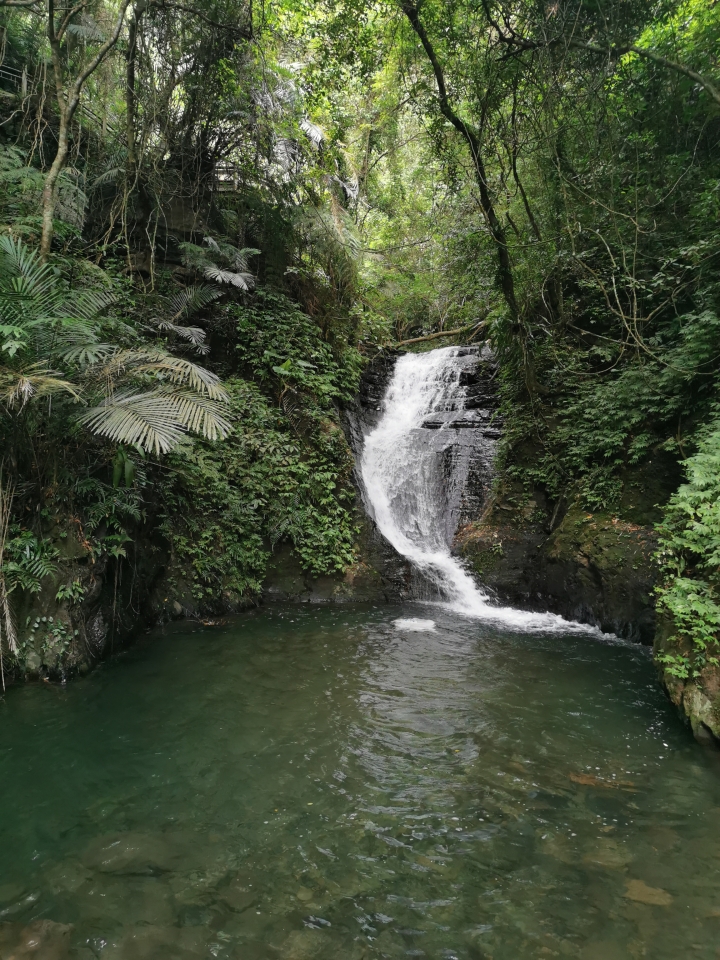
442, 333
511, 38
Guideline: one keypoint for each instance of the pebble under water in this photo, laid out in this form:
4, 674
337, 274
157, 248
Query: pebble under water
344, 783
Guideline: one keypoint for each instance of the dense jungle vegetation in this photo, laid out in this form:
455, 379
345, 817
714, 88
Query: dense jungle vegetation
214, 213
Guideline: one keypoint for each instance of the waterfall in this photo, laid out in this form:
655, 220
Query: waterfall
409, 469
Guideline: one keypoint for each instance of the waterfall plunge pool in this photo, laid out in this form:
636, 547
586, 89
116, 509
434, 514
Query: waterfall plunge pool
318, 782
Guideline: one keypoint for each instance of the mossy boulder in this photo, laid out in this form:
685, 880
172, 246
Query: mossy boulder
695, 691
593, 567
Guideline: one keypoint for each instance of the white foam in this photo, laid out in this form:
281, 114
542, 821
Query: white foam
414, 625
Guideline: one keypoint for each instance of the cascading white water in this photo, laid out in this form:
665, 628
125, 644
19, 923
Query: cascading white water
404, 468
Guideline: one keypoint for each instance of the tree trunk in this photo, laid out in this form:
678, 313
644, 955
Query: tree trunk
130, 93
50, 189
505, 275
68, 99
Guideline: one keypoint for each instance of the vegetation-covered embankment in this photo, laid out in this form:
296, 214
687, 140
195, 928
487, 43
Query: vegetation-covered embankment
179, 335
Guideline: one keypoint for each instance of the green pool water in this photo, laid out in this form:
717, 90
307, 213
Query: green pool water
307, 782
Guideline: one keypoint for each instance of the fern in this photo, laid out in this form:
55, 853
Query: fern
221, 262
157, 420
690, 556
86, 29
28, 560
183, 304
142, 395
186, 302
18, 387
156, 363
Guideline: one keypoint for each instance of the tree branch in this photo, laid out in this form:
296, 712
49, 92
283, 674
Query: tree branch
230, 27
505, 273
707, 86
614, 51
442, 333
74, 94
73, 11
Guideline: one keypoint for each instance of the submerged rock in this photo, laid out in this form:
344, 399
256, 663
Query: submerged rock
67, 876
608, 854
156, 943
9, 894
605, 950
640, 892
128, 853
145, 899
304, 945
238, 896
42, 939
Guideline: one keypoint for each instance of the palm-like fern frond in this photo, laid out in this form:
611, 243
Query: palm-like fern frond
147, 396
185, 302
17, 387
27, 274
87, 304
114, 168
163, 366
238, 259
221, 262
157, 420
82, 351
86, 28
57, 320
112, 175
195, 336
244, 281
312, 131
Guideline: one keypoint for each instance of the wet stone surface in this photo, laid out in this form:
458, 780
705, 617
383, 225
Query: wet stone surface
327, 783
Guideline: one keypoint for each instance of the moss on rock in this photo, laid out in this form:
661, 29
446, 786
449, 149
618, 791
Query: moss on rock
593, 567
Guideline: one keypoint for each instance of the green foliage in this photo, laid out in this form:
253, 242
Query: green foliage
690, 557
220, 262
144, 396
317, 134
20, 192
604, 422
27, 560
74, 592
229, 504
50, 637
283, 349
284, 472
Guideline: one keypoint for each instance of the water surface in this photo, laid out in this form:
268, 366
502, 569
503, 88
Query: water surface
322, 782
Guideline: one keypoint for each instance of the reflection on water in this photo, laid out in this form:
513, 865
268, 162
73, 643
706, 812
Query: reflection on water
318, 783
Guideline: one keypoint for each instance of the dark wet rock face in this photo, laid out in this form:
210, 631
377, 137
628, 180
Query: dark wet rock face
594, 568
470, 465
696, 697
380, 574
